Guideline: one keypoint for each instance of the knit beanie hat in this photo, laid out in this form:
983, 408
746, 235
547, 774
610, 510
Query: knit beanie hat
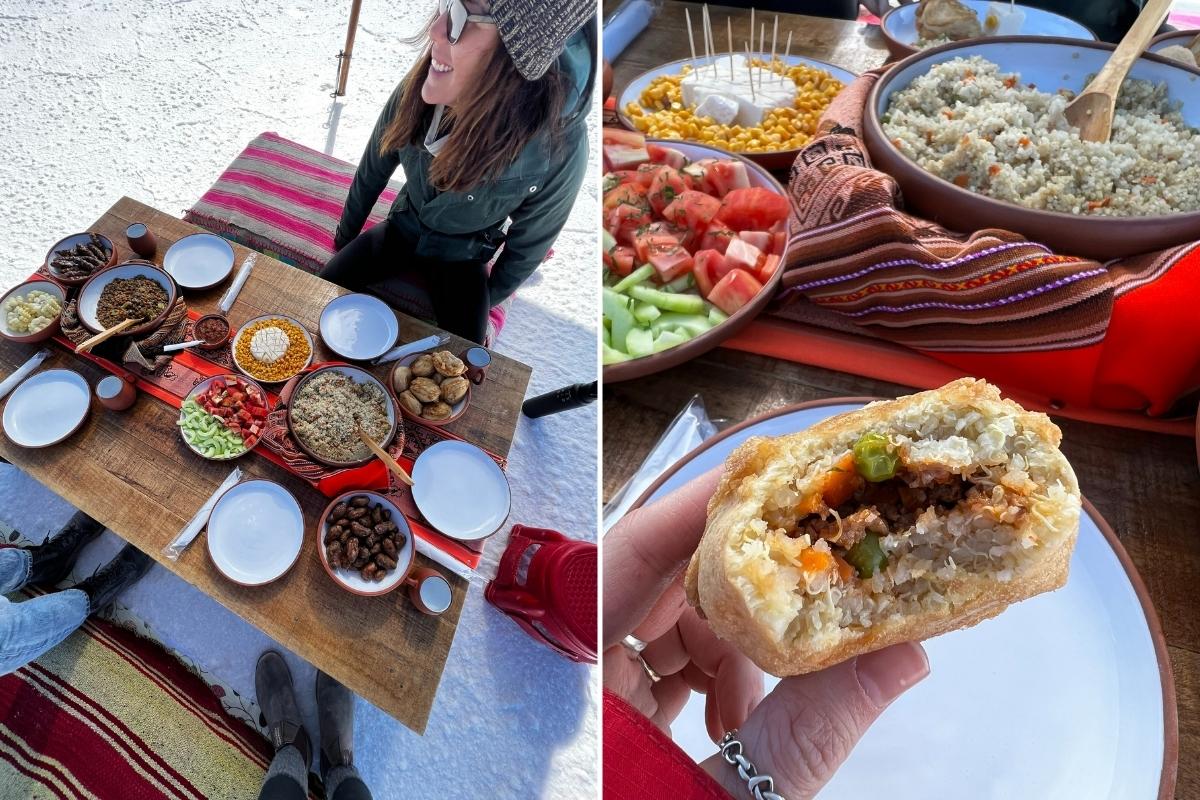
534, 32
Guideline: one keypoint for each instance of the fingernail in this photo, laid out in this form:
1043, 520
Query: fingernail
885, 674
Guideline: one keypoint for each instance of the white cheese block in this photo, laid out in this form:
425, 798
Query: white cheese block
718, 107
770, 90
268, 345
1003, 19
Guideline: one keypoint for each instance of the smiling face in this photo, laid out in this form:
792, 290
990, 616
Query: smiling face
455, 67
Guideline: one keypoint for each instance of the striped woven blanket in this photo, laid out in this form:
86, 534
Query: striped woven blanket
284, 199
1120, 335
108, 715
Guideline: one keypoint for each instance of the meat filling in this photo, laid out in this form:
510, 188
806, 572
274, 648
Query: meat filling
882, 507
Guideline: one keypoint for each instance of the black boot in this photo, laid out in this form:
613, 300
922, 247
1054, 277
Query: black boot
114, 577
335, 713
53, 559
281, 715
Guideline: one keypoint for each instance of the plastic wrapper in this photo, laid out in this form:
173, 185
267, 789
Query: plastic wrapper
690, 429
197, 523
623, 25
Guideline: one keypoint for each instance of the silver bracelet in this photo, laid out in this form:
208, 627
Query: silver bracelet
761, 787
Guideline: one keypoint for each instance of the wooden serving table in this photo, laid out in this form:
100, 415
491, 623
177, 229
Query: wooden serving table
133, 472
1146, 485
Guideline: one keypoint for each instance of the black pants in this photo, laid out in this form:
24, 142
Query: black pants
458, 290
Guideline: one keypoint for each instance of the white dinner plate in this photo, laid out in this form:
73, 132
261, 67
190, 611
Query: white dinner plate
460, 490
47, 408
359, 327
1060, 697
901, 23
255, 532
199, 261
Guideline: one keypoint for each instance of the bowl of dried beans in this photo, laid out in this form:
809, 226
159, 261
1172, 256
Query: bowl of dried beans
366, 544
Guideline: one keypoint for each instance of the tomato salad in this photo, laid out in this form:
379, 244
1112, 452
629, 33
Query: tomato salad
225, 419
686, 244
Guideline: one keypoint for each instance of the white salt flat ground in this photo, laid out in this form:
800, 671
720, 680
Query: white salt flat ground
152, 100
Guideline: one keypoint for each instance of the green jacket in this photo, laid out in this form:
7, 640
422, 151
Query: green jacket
537, 192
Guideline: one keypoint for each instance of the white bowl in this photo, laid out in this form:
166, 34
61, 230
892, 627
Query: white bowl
238, 335
47, 408
447, 473
89, 295
350, 579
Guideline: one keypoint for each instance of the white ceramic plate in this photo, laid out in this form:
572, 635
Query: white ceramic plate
359, 327
1058, 698
460, 490
351, 578
255, 532
901, 23
199, 261
638, 85
47, 408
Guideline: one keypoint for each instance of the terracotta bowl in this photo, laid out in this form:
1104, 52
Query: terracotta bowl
49, 287
1165, 40
228, 331
1050, 64
459, 408
775, 161
350, 580
657, 362
359, 376
899, 26
89, 295
66, 243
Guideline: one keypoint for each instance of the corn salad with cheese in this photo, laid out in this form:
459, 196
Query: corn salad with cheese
661, 113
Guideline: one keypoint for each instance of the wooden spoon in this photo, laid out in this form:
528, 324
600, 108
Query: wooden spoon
388, 461
105, 335
1092, 111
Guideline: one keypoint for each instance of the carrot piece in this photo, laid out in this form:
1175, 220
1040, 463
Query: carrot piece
845, 571
815, 560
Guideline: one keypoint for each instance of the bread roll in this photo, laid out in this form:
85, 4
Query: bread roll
804, 562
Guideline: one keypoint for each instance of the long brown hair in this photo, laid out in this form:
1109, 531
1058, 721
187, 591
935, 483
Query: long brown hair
489, 126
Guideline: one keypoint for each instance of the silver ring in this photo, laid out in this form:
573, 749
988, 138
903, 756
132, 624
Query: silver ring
635, 645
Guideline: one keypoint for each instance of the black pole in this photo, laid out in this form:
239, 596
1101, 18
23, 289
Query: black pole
564, 399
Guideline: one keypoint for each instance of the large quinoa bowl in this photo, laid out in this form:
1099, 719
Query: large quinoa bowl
1097, 201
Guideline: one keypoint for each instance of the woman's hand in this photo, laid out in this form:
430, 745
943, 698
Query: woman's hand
802, 731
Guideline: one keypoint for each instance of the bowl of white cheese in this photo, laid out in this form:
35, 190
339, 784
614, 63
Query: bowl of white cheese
735, 92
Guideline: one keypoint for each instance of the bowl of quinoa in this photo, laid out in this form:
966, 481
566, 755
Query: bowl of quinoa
974, 134
328, 402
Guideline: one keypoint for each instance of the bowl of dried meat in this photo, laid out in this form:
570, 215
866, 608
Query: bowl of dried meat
75, 258
366, 544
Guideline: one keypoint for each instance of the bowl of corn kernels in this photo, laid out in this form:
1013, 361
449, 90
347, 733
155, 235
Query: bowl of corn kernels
272, 348
761, 107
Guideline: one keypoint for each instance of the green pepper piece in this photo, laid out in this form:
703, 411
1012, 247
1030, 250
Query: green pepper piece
866, 556
874, 459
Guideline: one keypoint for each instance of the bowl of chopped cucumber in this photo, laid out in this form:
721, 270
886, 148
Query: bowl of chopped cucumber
694, 239
223, 417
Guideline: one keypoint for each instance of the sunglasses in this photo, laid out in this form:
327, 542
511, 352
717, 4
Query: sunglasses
457, 18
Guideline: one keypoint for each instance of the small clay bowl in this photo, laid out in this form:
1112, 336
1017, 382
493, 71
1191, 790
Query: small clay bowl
49, 287
66, 243
214, 345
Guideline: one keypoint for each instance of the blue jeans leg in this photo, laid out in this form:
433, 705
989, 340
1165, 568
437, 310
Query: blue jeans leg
32, 627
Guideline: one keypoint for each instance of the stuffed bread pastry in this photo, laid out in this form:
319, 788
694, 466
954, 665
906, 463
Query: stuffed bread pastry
899, 521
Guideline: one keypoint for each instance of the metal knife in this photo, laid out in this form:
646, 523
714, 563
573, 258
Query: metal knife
419, 346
